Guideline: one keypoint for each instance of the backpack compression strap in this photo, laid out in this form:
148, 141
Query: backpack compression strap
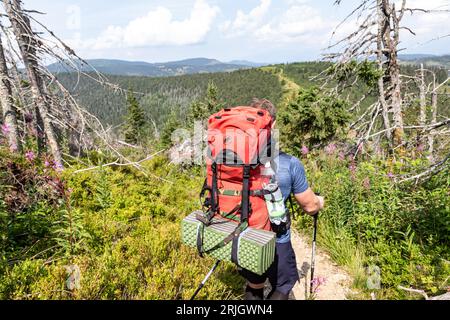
214, 191
206, 218
231, 237
245, 213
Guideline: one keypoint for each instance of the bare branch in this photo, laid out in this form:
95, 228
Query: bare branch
117, 163
430, 171
421, 292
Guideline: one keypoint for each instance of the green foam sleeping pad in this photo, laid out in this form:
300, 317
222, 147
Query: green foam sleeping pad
256, 251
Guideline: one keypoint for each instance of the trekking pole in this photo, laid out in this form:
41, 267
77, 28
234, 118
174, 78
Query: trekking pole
200, 287
313, 257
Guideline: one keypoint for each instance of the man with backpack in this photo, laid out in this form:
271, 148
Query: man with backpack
291, 176
249, 182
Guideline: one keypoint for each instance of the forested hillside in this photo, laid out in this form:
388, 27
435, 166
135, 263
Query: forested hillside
160, 97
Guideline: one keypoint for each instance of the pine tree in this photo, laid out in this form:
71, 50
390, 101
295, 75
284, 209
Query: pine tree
171, 125
313, 119
212, 101
135, 122
201, 110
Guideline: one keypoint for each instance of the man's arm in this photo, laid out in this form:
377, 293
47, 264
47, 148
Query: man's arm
310, 203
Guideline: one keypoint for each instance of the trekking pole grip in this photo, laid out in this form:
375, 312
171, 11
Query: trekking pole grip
316, 216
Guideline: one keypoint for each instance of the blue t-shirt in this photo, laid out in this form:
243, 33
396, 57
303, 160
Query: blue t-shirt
292, 179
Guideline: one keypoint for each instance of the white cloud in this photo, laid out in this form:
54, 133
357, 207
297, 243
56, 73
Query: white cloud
158, 27
245, 23
290, 2
299, 22
426, 26
425, 4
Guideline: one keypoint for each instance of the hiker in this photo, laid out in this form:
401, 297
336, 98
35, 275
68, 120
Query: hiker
291, 176
248, 183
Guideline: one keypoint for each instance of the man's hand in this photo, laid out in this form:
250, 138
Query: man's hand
322, 202
310, 203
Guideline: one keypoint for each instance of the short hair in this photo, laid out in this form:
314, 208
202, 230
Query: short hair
265, 104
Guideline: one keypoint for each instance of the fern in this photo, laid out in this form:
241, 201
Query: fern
103, 191
69, 232
103, 195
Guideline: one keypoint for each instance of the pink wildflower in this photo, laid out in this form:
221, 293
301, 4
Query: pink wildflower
390, 175
305, 150
331, 149
341, 156
5, 129
30, 156
317, 282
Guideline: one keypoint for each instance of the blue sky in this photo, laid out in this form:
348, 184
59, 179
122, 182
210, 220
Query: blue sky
256, 30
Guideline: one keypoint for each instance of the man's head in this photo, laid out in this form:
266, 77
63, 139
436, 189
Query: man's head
265, 104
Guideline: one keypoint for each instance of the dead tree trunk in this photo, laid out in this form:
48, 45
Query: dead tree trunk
434, 113
434, 103
382, 28
7, 103
391, 41
422, 97
27, 43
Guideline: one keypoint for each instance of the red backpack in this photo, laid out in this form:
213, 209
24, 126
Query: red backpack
239, 145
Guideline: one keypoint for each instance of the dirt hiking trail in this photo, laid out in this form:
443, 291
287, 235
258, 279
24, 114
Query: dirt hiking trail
337, 281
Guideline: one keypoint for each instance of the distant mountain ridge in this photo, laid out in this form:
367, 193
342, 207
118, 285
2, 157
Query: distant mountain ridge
205, 65
164, 69
442, 61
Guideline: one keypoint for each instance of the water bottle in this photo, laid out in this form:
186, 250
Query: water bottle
275, 204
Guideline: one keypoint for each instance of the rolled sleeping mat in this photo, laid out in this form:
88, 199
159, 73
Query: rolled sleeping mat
256, 248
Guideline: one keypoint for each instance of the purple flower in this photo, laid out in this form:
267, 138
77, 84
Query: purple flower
317, 282
5, 129
342, 156
330, 149
57, 166
390, 175
305, 150
30, 156
47, 164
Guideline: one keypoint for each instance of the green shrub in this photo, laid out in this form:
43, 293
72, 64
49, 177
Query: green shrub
402, 228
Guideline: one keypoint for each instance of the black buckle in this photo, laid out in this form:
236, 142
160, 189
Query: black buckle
247, 172
206, 219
